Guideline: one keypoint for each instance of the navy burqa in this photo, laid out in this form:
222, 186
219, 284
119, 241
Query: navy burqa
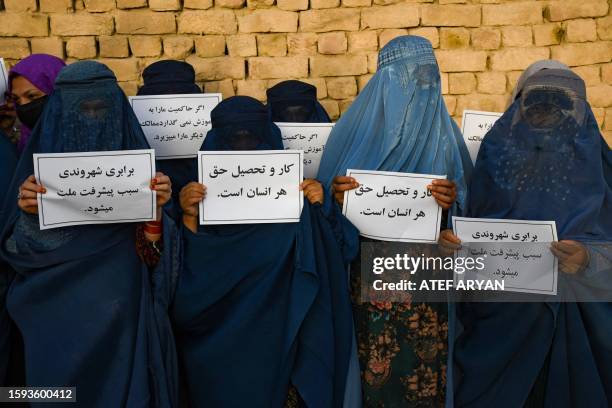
8, 161
169, 77
295, 101
544, 159
262, 306
91, 313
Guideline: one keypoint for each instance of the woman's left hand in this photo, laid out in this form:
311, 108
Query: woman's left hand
444, 191
313, 191
573, 256
162, 186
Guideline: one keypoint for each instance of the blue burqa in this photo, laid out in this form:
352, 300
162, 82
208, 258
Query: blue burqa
544, 159
295, 101
399, 122
262, 306
8, 161
169, 77
91, 313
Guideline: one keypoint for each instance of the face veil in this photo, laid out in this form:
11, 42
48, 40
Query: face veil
88, 112
242, 123
295, 101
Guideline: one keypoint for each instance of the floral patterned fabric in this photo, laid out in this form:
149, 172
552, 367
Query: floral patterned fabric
402, 350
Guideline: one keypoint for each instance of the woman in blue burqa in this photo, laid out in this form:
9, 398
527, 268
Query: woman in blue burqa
91, 301
170, 77
295, 101
399, 122
544, 159
262, 311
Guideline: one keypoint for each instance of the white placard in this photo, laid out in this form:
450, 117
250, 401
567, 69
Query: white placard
251, 187
309, 137
175, 125
3, 81
391, 206
95, 187
516, 252
475, 125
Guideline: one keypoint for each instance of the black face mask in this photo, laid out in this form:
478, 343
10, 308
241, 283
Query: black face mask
29, 113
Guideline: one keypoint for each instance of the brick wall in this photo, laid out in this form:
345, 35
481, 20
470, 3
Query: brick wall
246, 46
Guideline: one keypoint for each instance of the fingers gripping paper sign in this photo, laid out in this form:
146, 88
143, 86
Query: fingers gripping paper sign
175, 125
475, 125
251, 187
308, 137
95, 187
515, 252
391, 206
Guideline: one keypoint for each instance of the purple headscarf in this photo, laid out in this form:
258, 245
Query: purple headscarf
41, 70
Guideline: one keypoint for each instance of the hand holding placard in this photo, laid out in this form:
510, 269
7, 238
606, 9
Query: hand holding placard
95, 187
514, 251
246, 187
392, 206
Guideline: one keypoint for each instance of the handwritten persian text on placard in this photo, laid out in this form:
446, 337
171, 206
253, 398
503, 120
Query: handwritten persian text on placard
95, 187
175, 125
475, 126
250, 187
309, 137
514, 251
391, 206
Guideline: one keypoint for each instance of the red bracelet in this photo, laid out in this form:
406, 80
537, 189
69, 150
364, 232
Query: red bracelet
153, 227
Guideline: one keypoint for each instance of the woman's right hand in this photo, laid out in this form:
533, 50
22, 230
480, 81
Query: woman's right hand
27, 200
190, 198
340, 184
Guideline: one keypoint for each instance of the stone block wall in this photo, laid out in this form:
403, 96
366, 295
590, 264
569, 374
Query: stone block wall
246, 46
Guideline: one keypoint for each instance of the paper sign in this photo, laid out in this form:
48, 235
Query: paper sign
514, 251
3, 81
475, 126
95, 187
309, 137
251, 187
392, 206
175, 125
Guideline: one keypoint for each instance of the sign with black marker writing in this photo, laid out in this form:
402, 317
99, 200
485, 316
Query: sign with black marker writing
515, 252
251, 187
475, 125
3, 81
308, 137
175, 125
95, 187
392, 206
